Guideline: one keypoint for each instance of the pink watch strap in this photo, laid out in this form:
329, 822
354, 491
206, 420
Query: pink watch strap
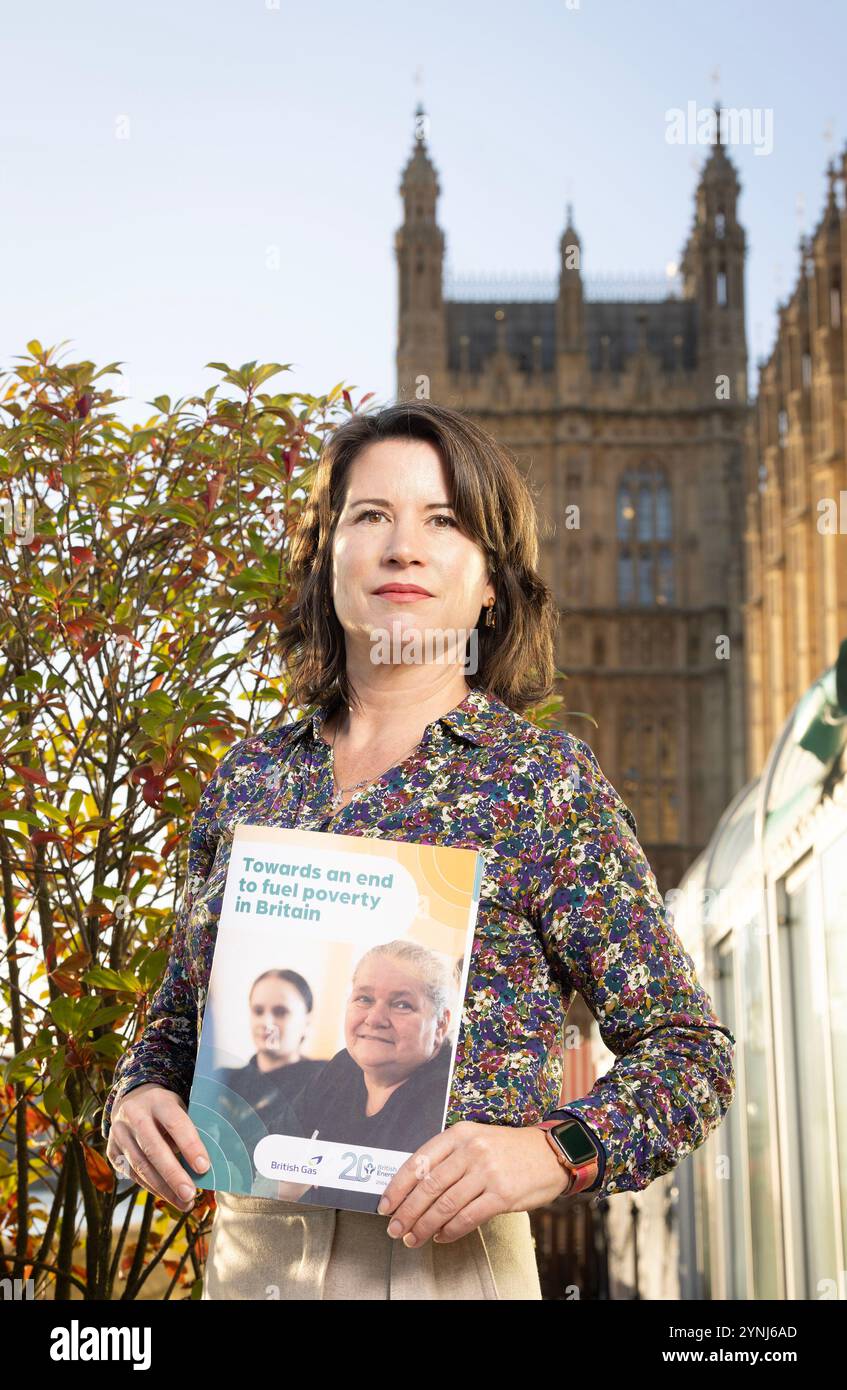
584, 1174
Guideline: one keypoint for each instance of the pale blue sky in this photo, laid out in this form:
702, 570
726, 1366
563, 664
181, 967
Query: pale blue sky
253, 127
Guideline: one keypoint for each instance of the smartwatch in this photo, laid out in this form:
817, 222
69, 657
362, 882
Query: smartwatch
576, 1149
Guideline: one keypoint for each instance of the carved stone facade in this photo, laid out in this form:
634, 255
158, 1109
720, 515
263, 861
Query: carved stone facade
795, 609
629, 417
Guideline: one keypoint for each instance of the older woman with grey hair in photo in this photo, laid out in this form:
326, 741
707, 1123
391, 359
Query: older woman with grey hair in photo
420, 524
386, 1088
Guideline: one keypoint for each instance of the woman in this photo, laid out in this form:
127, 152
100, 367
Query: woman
387, 1086
419, 522
280, 1003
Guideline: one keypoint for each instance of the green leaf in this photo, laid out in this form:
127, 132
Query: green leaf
181, 512
190, 785
107, 1015
268, 370
19, 1067
151, 724
151, 969
110, 1045
52, 1097
158, 702
17, 838
101, 977
29, 680
64, 1010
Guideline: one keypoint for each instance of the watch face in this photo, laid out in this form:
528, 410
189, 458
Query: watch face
574, 1142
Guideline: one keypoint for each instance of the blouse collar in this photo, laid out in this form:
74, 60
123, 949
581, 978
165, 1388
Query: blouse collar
481, 717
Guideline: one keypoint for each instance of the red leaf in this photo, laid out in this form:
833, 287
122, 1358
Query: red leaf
223, 731
55, 410
77, 626
31, 774
121, 630
152, 790
66, 982
292, 457
43, 837
213, 490
274, 615
100, 1172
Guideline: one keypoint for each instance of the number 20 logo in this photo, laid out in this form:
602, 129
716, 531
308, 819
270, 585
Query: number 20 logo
363, 1165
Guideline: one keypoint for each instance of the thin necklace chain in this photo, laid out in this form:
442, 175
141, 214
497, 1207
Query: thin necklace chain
365, 782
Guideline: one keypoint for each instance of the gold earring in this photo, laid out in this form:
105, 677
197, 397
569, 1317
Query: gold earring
489, 616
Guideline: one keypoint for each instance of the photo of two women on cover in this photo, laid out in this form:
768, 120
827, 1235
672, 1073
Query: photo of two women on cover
385, 1088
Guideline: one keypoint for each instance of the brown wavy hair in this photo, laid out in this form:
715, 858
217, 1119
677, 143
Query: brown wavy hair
493, 504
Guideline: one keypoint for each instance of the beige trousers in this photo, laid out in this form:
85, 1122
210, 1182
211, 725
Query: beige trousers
262, 1248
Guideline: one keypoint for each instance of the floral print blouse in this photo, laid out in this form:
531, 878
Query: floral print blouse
568, 903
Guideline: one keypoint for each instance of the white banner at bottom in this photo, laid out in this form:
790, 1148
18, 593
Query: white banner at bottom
322, 1163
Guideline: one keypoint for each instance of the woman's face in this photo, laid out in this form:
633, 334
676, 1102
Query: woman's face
390, 1024
278, 1018
397, 525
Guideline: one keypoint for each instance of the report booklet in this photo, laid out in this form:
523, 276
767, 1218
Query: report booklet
328, 1038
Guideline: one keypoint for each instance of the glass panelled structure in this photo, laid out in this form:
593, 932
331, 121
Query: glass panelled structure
763, 912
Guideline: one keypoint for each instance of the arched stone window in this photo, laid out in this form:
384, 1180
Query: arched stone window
644, 534
721, 291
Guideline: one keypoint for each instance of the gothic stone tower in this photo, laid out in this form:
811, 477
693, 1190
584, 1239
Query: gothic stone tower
628, 416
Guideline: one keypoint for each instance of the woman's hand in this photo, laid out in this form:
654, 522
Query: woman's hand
149, 1125
467, 1174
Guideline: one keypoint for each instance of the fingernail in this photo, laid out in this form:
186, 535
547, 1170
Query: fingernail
383, 1206
409, 1239
186, 1192
395, 1227
201, 1163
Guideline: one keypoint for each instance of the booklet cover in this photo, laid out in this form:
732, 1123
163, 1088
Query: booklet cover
329, 1034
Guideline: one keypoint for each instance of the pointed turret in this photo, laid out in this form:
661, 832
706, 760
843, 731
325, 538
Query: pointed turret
571, 355
419, 247
570, 314
713, 272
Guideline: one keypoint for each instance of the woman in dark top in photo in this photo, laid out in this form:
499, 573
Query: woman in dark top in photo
280, 1009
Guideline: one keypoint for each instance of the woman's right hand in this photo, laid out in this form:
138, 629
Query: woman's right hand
148, 1126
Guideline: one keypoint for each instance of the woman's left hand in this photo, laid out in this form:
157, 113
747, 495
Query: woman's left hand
467, 1174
